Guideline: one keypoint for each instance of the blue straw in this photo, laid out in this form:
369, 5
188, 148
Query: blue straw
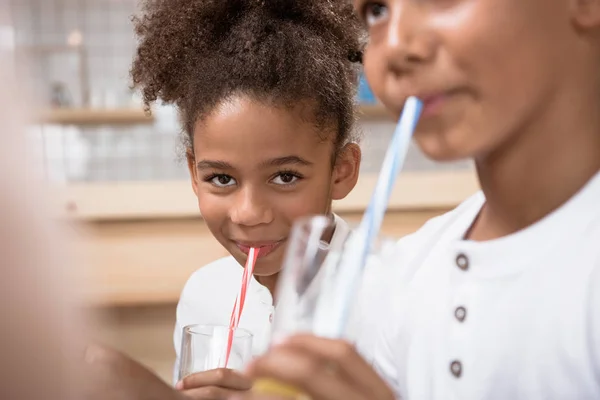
364, 236
392, 163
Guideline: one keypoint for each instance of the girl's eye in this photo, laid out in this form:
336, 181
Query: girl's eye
285, 178
373, 13
221, 180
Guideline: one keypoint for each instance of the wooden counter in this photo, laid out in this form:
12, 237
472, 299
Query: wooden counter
142, 241
174, 199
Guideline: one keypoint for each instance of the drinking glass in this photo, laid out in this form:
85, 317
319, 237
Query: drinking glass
204, 347
313, 296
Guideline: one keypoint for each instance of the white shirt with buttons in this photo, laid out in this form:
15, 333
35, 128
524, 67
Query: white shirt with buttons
513, 318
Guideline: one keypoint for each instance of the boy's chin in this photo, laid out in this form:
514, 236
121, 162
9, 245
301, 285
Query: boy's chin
442, 147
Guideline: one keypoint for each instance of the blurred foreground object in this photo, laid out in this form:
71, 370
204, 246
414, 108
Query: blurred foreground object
37, 308
112, 375
43, 343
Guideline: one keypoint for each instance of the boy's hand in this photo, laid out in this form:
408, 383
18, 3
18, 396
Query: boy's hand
323, 369
109, 374
216, 384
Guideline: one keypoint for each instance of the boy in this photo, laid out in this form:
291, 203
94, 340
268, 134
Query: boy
500, 298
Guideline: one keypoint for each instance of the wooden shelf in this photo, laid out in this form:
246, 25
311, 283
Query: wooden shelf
89, 116
374, 111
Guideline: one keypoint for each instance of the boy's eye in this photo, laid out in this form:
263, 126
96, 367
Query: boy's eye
221, 180
373, 13
285, 178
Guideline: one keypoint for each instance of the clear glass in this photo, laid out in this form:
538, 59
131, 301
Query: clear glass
312, 295
204, 347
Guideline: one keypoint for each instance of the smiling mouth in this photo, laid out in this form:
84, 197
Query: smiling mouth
264, 248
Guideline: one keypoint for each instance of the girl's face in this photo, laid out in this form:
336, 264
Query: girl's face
485, 69
257, 168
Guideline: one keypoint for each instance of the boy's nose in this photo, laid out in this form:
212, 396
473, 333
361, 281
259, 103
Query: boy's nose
407, 42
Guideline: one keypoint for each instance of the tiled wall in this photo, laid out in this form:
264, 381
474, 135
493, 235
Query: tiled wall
118, 153
104, 29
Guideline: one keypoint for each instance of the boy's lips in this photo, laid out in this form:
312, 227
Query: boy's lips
264, 248
434, 101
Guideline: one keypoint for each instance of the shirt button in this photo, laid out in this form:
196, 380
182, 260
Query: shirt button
460, 313
456, 368
462, 262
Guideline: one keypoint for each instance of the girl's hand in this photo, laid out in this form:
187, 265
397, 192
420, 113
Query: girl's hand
322, 369
216, 384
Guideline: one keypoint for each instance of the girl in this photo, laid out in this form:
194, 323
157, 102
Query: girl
265, 90
500, 298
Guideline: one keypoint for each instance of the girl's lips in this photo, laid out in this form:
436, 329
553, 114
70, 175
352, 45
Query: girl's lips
264, 248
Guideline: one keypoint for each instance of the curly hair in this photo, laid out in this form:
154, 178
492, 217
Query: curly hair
197, 53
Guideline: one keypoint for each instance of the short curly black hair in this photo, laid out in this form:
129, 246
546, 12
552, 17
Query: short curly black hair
197, 53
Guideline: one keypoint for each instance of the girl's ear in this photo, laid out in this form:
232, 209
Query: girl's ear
345, 171
585, 13
191, 162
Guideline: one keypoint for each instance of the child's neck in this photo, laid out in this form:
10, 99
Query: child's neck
536, 173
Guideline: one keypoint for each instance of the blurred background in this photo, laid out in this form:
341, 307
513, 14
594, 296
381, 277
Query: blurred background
121, 183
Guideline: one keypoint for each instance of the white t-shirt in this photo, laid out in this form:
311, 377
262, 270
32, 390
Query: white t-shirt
513, 318
209, 295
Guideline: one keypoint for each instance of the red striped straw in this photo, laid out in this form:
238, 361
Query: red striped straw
238, 306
